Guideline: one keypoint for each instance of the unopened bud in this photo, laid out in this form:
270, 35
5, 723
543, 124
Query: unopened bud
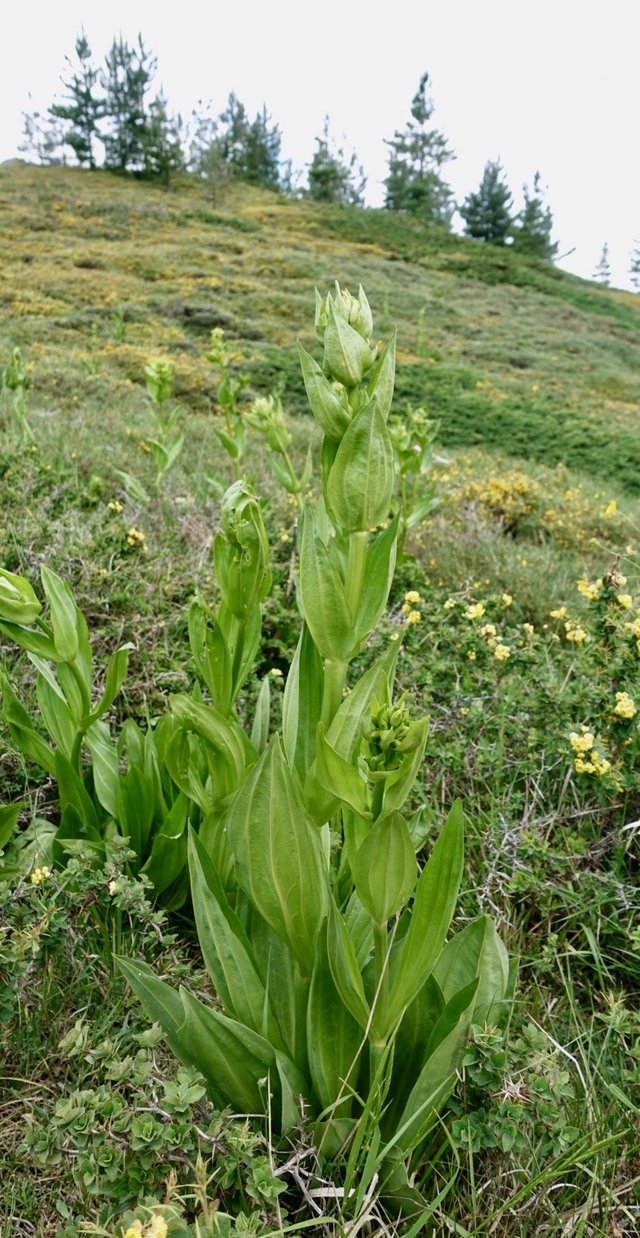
18, 602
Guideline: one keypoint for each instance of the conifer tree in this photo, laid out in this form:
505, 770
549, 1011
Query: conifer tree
634, 268
333, 178
83, 104
602, 273
163, 155
129, 73
486, 212
416, 156
532, 227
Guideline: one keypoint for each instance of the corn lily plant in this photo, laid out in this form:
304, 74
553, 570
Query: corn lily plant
342, 999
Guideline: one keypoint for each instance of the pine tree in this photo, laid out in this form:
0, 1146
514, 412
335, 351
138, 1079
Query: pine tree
83, 105
331, 177
262, 152
602, 273
43, 138
532, 227
129, 73
634, 268
414, 183
163, 155
486, 212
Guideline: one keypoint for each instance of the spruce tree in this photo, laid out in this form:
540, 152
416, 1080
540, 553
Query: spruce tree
129, 73
83, 104
532, 227
262, 152
602, 273
163, 155
634, 268
331, 177
416, 155
486, 212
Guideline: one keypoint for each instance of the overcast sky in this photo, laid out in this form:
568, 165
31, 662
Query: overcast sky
547, 85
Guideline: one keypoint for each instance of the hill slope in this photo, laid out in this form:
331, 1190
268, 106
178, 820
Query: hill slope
509, 353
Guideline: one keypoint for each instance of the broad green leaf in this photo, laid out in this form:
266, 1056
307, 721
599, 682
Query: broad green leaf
339, 779
220, 733
134, 809
380, 566
116, 671
278, 854
260, 727
22, 731
168, 856
225, 947
476, 951
133, 487
401, 781
106, 767
360, 484
324, 601
238, 1063
32, 640
433, 909
347, 356
329, 407
384, 869
63, 612
344, 967
73, 792
74, 830
56, 715
302, 704
333, 1038
438, 1075
347, 727
410, 1042
9, 816
381, 382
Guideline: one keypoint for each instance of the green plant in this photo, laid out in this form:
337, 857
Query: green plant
168, 440
14, 376
234, 436
342, 1001
413, 437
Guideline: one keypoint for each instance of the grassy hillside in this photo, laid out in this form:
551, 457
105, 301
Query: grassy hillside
534, 377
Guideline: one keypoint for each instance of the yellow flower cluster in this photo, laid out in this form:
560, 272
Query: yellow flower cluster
155, 1228
624, 707
476, 611
574, 633
501, 653
411, 600
39, 875
114, 506
135, 537
624, 600
589, 590
507, 600
587, 759
560, 613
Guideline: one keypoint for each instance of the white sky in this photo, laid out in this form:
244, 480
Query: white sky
542, 85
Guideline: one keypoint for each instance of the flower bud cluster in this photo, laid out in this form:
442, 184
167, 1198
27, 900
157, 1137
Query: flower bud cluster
241, 551
266, 415
159, 376
390, 736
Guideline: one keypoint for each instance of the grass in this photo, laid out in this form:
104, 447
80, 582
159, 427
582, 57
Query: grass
534, 377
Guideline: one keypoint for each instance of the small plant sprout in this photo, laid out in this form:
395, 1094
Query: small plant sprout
233, 438
266, 415
167, 441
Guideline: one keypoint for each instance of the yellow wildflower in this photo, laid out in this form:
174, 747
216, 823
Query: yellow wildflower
113, 886
507, 599
560, 613
158, 1228
611, 508
471, 655
488, 629
412, 596
502, 652
625, 600
39, 875
135, 537
476, 611
624, 707
575, 633
583, 742
588, 590
529, 630
634, 627
414, 616
449, 604
114, 506
276, 672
